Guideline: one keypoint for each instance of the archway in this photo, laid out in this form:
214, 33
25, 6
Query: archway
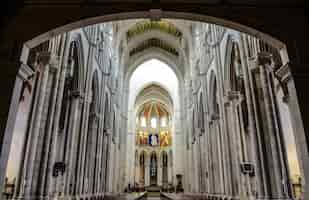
112, 86
153, 169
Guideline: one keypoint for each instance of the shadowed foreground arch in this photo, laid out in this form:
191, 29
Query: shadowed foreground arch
276, 43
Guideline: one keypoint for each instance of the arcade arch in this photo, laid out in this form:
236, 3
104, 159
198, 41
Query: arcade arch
234, 89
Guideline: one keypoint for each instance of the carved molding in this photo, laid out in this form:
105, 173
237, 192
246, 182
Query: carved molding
94, 115
47, 58
25, 72
214, 117
76, 94
284, 73
264, 58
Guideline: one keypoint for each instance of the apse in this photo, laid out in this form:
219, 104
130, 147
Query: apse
153, 71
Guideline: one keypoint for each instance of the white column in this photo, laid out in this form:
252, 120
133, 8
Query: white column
160, 168
290, 99
147, 170
44, 61
23, 74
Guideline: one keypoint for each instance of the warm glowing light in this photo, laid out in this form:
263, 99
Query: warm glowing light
153, 122
163, 122
143, 122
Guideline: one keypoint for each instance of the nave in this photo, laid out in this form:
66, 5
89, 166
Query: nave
172, 107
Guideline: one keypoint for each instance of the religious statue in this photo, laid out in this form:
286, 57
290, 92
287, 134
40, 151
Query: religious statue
153, 140
164, 139
145, 138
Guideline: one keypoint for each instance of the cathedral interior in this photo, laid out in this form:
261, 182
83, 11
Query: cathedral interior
154, 107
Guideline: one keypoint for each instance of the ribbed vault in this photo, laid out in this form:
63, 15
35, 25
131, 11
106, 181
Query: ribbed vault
154, 42
146, 26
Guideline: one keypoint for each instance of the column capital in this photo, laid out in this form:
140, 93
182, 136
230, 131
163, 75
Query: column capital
261, 59
47, 58
76, 94
264, 58
25, 72
94, 115
233, 96
214, 117
284, 73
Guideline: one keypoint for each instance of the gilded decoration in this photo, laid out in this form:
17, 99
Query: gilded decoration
146, 26
164, 139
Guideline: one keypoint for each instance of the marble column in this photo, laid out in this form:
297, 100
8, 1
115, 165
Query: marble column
160, 170
51, 181
46, 62
222, 125
291, 99
147, 170
23, 74
86, 111
137, 167
232, 102
170, 169
256, 182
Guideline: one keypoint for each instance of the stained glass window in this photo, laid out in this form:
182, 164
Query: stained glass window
153, 122
163, 122
143, 122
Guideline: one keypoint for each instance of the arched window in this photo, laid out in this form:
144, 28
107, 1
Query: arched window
193, 126
106, 114
143, 122
153, 122
70, 82
237, 81
215, 102
163, 122
201, 114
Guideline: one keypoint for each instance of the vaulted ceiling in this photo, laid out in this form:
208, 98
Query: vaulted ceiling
154, 93
147, 34
143, 37
146, 26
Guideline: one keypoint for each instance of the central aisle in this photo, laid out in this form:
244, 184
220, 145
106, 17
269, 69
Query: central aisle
153, 198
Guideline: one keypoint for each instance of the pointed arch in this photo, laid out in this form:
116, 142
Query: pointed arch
201, 119
193, 127
95, 91
76, 63
213, 95
106, 113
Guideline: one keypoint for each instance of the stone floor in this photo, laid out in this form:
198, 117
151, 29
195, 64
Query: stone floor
153, 198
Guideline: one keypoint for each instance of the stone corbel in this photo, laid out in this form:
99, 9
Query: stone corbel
76, 94
283, 75
106, 131
48, 58
25, 72
264, 58
214, 117
94, 116
234, 96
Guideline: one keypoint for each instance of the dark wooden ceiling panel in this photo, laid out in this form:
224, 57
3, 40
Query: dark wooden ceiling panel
209, 2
